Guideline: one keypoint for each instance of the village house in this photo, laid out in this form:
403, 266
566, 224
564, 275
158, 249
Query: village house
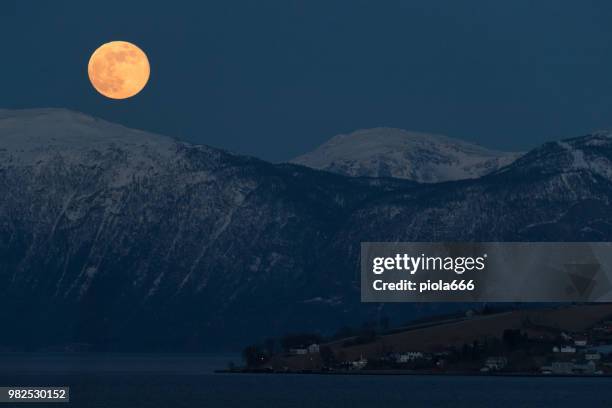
408, 356
580, 342
313, 348
359, 364
298, 351
496, 363
592, 356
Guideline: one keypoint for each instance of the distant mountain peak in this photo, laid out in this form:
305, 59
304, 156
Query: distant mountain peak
391, 152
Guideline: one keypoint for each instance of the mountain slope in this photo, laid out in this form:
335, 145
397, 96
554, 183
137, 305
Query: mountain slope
388, 152
122, 232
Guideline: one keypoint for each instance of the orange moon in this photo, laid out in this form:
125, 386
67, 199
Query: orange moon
118, 69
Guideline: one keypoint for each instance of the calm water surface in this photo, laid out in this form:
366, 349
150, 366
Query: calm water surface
171, 381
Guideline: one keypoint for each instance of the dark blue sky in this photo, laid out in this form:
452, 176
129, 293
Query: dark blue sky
276, 78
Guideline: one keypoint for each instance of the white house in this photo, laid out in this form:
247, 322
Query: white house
298, 351
591, 356
408, 356
567, 349
313, 348
580, 342
496, 363
359, 364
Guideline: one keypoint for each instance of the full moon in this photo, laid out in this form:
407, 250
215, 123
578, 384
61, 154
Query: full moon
118, 69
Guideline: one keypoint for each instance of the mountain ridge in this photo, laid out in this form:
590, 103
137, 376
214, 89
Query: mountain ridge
193, 248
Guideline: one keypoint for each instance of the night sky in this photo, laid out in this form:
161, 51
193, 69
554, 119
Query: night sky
274, 79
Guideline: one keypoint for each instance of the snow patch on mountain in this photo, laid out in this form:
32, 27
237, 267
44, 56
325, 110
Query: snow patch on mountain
43, 137
585, 153
33, 130
389, 152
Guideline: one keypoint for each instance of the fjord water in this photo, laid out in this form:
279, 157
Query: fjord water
161, 381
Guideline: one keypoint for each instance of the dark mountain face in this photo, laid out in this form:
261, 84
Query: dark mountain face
129, 240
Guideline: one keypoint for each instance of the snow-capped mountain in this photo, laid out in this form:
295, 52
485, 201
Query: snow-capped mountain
388, 152
127, 239
112, 233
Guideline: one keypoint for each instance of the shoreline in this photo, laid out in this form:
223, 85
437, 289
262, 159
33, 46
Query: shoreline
405, 372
